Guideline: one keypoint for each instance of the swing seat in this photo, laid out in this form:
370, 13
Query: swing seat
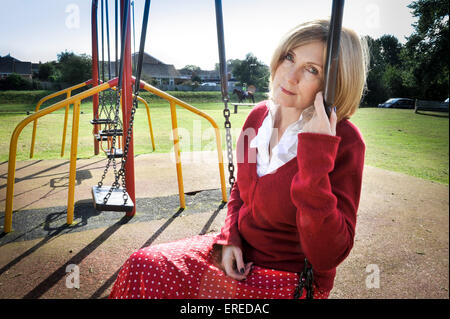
115, 203
117, 154
100, 138
103, 121
117, 132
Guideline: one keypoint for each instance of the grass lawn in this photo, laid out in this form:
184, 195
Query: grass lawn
396, 140
195, 132
401, 141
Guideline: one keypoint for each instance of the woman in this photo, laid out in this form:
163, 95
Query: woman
296, 194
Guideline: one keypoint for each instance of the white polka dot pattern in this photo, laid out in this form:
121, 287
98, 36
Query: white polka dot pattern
184, 270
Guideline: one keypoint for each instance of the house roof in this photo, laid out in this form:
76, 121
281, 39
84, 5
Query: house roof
8, 64
160, 70
8, 58
148, 59
153, 67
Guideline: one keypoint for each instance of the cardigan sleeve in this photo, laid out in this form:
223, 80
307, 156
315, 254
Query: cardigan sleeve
326, 191
229, 234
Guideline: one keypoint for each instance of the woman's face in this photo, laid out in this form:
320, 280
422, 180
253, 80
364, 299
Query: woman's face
299, 76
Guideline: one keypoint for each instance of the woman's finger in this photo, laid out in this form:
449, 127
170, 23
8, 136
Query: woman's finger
239, 260
230, 271
333, 121
248, 268
319, 106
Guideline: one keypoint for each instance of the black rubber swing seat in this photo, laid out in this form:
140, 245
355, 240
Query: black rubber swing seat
101, 138
117, 132
115, 203
103, 121
118, 153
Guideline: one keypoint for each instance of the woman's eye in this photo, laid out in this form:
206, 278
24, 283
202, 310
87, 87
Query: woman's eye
289, 57
312, 70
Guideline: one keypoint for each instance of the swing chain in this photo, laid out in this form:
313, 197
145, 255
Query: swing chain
111, 99
305, 281
113, 151
229, 141
127, 143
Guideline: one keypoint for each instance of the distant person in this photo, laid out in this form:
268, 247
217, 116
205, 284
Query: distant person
295, 200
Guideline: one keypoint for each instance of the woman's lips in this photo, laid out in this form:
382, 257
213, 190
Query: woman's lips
286, 91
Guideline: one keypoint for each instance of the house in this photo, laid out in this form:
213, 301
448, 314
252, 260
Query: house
204, 75
9, 65
164, 74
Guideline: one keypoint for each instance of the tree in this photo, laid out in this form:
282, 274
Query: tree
15, 82
252, 72
74, 68
428, 49
375, 85
193, 71
231, 64
390, 49
191, 68
46, 70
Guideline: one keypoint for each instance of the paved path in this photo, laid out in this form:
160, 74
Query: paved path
402, 229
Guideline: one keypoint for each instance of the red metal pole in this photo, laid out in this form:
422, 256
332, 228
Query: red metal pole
127, 103
95, 70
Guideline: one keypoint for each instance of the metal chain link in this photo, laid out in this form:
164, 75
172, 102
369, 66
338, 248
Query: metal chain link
305, 281
127, 143
121, 173
112, 152
229, 142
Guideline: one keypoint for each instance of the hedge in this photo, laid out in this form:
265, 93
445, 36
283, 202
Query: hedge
32, 97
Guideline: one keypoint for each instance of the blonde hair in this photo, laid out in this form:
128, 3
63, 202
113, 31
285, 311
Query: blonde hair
352, 68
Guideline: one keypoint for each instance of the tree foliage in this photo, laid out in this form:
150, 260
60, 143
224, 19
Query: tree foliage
46, 71
74, 68
251, 71
15, 82
417, 69
428, 50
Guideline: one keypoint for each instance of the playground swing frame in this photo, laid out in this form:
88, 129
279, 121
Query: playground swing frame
76, 100
68, 91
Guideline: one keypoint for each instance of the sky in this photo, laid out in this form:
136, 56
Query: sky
183, 32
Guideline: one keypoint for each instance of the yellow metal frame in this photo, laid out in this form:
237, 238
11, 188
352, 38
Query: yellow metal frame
173, 102
76, 101
68, 92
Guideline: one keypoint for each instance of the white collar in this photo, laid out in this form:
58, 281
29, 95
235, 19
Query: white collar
286, 149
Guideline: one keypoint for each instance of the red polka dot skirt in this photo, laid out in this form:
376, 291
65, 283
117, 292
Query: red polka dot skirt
184, 269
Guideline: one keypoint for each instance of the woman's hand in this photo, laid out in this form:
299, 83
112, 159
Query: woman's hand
319, 123
233, 263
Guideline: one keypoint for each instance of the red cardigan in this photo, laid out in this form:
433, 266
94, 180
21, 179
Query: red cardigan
306, 208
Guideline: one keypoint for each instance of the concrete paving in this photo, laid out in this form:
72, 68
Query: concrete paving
400, 250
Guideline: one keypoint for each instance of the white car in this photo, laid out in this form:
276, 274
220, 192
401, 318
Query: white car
208, 84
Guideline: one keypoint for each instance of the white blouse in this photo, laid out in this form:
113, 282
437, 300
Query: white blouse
286, 149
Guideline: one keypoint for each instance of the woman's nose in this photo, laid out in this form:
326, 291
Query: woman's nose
293, 75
